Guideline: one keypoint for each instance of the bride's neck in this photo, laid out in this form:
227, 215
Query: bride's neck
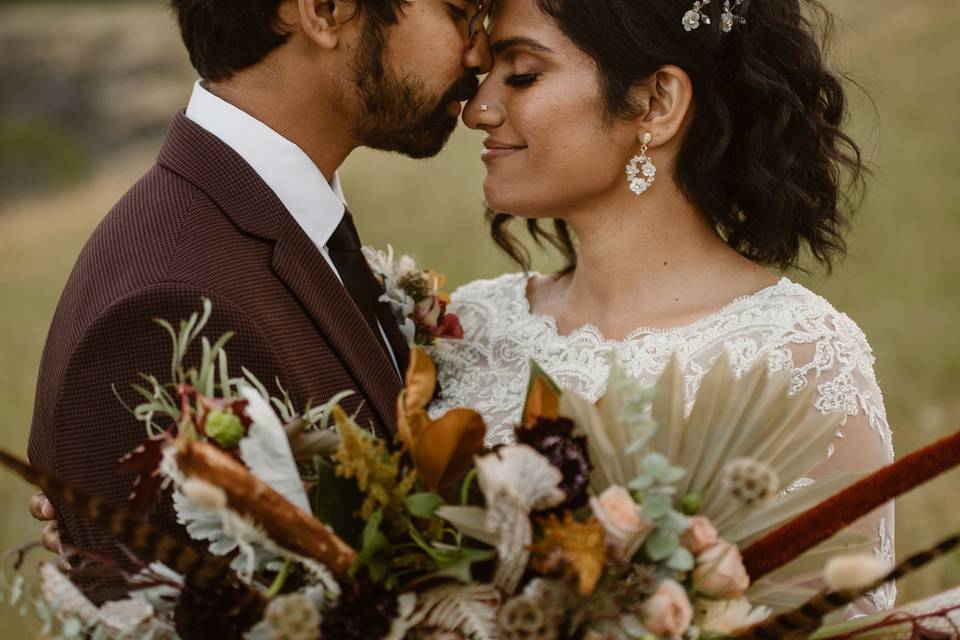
652, 262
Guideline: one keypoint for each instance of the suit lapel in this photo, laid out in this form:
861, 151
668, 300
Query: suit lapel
297, 262
241, 194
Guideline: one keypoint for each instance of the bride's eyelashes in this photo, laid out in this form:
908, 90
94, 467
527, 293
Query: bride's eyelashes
458, 12
520, 79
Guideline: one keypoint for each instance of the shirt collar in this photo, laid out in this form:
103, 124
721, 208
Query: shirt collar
316, 205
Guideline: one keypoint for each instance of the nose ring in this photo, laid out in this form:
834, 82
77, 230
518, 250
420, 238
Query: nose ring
484, 107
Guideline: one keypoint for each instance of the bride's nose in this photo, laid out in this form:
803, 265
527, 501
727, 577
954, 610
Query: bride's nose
483, 111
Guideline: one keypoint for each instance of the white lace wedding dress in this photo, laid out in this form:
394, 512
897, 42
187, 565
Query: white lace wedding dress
787, 324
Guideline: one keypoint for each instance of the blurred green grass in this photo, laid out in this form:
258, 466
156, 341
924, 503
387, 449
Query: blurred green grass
899, 284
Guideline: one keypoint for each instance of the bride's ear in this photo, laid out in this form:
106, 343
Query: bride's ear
667, 98
322, 20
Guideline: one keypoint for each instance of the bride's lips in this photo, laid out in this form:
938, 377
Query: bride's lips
496, 149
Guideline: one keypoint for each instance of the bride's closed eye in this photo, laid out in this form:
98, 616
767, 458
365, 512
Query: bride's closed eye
459, 12
520, 79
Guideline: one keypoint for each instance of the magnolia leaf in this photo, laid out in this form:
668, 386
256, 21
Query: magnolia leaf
420, 381
423, 505
445, 449
543, 397
335, 500
471, 521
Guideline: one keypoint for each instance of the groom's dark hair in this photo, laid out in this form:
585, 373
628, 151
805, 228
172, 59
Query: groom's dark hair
226, 36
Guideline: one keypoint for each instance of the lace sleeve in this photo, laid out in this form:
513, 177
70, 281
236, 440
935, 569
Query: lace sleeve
840, 364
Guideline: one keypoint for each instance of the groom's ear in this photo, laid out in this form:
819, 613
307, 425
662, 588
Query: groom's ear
322, 20
667, 97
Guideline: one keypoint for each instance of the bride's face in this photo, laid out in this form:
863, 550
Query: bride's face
549, 150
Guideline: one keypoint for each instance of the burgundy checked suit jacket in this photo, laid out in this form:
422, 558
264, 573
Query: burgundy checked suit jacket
200, 223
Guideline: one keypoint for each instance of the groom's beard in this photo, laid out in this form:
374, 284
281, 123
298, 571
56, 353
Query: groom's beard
399, 114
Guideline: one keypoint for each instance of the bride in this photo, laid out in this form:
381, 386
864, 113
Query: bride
690, 149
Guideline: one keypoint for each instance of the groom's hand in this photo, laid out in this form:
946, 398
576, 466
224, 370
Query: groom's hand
42, 509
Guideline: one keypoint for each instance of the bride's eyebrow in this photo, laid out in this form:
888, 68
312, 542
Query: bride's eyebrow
498, 47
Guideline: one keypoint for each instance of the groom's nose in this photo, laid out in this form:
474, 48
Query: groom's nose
477, 58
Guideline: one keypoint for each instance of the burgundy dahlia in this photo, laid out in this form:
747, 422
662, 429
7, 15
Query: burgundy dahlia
554, 439
364, 610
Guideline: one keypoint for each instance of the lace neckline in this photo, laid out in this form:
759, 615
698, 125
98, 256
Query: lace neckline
550, 323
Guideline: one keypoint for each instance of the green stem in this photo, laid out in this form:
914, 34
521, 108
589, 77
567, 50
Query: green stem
465, 488
279, 581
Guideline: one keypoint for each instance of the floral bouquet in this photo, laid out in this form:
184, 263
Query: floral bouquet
628, 518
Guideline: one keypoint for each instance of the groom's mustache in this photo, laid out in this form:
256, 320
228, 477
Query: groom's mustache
464, 89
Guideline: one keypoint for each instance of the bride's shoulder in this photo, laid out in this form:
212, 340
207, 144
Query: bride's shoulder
813, 311
810, 320
491, 291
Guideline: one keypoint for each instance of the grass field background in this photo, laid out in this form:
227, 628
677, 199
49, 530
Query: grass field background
900, 282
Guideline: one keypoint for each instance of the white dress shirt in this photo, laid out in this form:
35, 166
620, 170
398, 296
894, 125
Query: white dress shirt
317, 205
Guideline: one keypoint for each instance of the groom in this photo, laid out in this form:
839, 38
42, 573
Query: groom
244, 207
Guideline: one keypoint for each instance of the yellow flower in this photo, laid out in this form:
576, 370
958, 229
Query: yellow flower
377, 472
580, 548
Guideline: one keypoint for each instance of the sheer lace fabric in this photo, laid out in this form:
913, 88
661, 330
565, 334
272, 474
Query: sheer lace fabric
786, 324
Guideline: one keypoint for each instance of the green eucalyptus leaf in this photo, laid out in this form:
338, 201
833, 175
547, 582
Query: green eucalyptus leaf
661, 544
72, 628
423, 505
681, 560
655, 465
673, 474
16, 590
656, 505
675, 521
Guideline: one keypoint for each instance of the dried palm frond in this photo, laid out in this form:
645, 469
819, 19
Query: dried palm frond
840, 510
753, 416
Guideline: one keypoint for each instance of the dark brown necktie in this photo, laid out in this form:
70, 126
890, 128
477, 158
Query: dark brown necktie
345, 252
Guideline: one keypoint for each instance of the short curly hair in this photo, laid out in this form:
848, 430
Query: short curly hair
765, 157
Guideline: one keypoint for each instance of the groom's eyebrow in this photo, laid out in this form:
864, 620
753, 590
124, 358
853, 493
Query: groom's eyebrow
500, 46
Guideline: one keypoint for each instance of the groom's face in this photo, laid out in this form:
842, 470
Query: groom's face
411, 77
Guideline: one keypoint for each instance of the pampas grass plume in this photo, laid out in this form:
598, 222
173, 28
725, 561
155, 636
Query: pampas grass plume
854, 572
204, 494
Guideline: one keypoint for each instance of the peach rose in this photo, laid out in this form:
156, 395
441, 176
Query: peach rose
668, 611
619, 514
720, 572
701, 535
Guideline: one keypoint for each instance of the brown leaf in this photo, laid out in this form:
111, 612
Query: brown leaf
445, 448
543, 401
144, 461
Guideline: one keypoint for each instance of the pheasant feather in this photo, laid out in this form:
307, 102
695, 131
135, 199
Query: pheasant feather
800, 621
202, 571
